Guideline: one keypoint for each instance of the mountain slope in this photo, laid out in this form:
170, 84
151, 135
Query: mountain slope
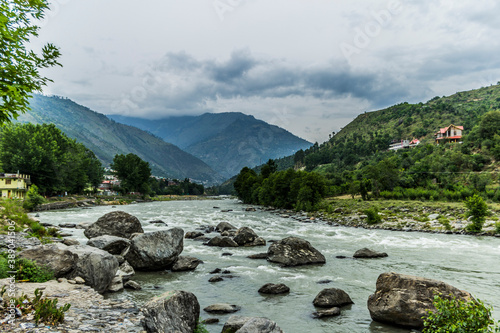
107, 138
227, 142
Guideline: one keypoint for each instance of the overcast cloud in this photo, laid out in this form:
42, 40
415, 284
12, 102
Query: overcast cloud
307, 66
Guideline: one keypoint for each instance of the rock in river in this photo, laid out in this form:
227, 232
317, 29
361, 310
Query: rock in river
116, 223
403, 300
293, 251
332, 297
186, 264
222, 242
222, 308
155, 250
174, 311
271, 288
108, 243
367, 253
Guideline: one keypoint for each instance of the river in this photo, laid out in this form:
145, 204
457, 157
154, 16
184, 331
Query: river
466, 262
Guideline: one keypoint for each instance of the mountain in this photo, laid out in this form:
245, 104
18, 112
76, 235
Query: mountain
227, 142
106, 138
359, 142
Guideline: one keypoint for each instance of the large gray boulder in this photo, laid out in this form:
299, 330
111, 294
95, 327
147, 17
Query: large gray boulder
116, 223
403, 300
52, 256
111, 244
234, 323
222, 242
332, 297
245, 236
95, 266
155, 250
224, 226
174, 311
185, 263
293, 251
260, 325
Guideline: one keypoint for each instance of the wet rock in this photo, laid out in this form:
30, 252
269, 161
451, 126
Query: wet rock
332, 297
157, 222
245, 236
108, 243
222, 242
293, 251
69, 242
174, 311
324, 281
223, 226
185, 264
403, 300
216, 278
193, 234
335, 311
216, 271
368, 254
258, 256
155, 250
210, 321
261, 325
116, 223
126, 271
226, 254
222, 308
68, 225
95, 266
271, 288
132, 285
234, 323
55, 257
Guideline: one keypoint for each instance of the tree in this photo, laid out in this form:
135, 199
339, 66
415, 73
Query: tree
19, 74
268, 168
477, 210
133, 172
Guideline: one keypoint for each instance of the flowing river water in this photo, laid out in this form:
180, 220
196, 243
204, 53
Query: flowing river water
469, 263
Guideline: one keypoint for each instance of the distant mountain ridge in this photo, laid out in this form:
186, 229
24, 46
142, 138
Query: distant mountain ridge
227, 142
106, 138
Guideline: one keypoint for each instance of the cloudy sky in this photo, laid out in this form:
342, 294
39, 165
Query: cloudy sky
310, 66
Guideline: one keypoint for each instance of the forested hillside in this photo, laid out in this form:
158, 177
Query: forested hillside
107, 138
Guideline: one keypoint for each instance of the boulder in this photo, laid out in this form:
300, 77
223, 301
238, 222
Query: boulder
403, 300
271, 288
223, 226
111, 244
332, 297
116, 284
174, 311
216, 278
222, 242
293, 251
155, 250
193, 234
69, 242
245, 236
222, 308
116, 223
367, 253
234, 323
335, 311
132, 285
260, 325
185, 264
54, 257
95, 266
125, 271
258, 256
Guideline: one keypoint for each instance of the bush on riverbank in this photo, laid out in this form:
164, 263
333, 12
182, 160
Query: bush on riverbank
12, 210
26, 270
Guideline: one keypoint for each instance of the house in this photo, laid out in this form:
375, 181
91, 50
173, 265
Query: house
404, 144
451, 133
14, 185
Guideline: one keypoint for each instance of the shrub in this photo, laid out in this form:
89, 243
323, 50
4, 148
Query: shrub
34, 199
372, 215
200, 327
477, 210
454, 315
27, 270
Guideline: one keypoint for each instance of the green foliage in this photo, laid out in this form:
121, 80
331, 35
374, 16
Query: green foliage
133, 172
200, 327
45, 310
55, 162
185, 187
33, 198
372, 215
454, 315
13, 211
288, 189
27, 270
20, 75
477, 210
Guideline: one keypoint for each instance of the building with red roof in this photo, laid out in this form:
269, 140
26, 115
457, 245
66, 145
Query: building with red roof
451, 133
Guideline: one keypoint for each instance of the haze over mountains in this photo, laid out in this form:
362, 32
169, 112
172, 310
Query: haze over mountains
227, 142
214, 146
